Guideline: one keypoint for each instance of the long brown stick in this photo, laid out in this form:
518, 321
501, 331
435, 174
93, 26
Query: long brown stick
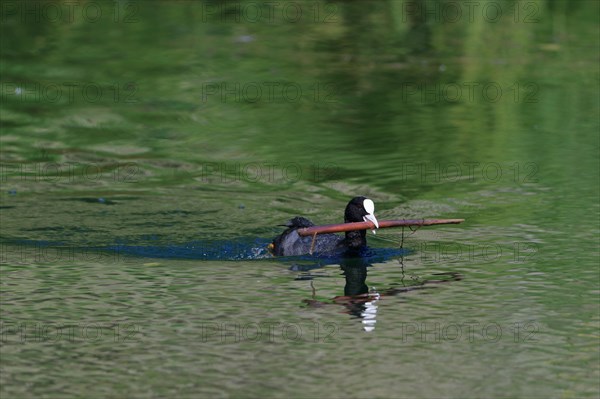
342, 227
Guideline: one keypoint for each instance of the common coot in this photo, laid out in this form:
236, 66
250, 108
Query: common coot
290, 243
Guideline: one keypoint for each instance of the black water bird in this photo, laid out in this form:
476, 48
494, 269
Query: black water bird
290, 243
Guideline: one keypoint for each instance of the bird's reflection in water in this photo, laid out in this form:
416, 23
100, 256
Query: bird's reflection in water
361, 302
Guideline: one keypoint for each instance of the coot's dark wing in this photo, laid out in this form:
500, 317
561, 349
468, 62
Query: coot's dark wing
290, 243
328, 244
298, 222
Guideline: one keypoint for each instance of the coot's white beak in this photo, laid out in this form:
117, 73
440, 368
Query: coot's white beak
371, 218
370, 208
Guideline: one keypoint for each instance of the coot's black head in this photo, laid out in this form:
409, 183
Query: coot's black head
360, 209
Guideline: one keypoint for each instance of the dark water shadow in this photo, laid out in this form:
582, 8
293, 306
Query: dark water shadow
246, 249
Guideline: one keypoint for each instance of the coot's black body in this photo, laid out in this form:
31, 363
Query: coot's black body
290, 243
